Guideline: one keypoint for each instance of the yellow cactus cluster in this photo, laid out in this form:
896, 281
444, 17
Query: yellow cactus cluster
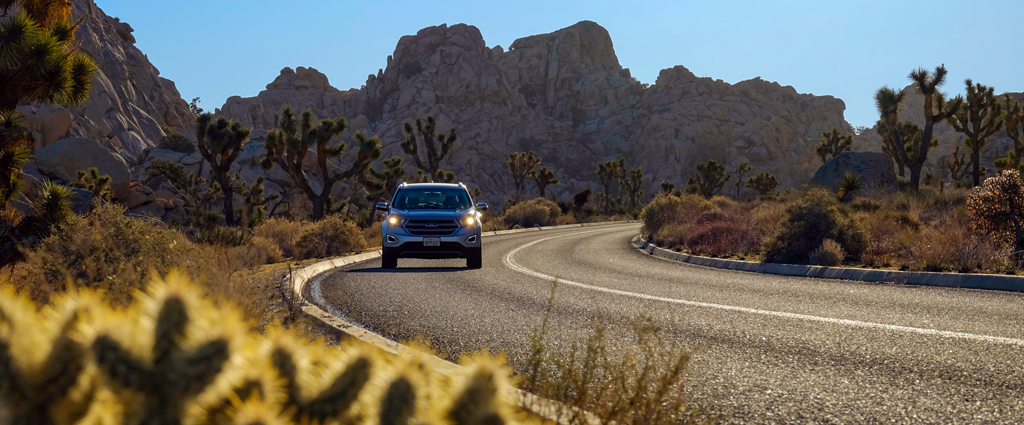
177, 357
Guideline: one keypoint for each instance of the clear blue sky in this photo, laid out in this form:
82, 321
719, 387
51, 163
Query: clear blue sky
214, 49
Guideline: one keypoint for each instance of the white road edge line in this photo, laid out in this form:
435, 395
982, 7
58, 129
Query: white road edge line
511, 263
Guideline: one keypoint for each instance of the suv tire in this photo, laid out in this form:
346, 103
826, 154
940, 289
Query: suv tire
475, 259
388, 261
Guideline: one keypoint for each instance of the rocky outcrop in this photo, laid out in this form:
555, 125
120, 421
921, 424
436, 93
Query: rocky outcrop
65, 158
129, 103
565, 96
874, 168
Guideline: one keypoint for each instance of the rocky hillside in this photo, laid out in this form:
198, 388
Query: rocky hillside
566, 96
913, 109
130, 102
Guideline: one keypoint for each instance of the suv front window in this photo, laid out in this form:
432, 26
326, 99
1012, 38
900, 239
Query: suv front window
438, 199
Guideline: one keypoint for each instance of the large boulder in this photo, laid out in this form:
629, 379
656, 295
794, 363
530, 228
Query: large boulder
874, 168
65, 158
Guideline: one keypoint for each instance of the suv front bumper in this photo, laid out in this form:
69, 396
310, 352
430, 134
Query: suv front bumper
400, 244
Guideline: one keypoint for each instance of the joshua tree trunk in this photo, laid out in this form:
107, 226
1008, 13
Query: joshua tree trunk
229, 200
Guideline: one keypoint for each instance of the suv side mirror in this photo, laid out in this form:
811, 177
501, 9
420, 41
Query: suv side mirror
481, 206
383, 206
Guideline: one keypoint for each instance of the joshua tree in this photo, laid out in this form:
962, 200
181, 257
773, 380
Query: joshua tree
220, 142
445, 176
667, 187
92, 181
997, 208
14, 154
610, 172
1014, 119
709, 180
254, 201
764, 183
288, 147
832, 144
543, 178
39, 58
936, 110
521, 165
435, 153
888, 102
741, 171
979, 117
957, 165
384, 182
195, 189
632, 187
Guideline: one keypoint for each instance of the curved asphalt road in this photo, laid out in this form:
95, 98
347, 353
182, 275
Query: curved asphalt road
768, 349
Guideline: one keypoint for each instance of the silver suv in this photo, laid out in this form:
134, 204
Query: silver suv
431, 220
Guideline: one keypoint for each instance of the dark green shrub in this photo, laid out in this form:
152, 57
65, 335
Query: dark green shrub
176, 142
808, 222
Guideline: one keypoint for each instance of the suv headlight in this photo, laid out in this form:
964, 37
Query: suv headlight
470, 221
396, 221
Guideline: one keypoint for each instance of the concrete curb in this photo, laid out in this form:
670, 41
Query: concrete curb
544, 408
948, 280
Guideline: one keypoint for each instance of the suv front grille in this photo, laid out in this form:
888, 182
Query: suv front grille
431, 227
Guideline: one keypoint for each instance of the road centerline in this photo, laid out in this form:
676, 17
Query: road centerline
510, 262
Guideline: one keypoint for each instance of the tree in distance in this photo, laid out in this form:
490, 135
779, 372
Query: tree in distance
220, 142
521, 165
92, 181
888, 101
979, 116
385, 181
957, 165
667, 187
610, 172
764, 183
741, 170
709, 180
288, 146
833, 144
936, 110
1014, 120
632, 188
544, 177
436, 146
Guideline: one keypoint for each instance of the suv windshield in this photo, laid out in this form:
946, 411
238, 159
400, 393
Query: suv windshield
440, 199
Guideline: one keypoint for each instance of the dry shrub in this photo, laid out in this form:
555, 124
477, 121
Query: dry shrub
532, 213
669, 209
828, 254
565, 219
108, 250
330, 237
282, 232
809, 221
768, 217
713, 233
257, 252
647, 385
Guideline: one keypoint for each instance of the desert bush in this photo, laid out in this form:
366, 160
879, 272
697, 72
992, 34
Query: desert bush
78, 360
105, 250
808, 222
282, 232
997, 208
828, 254
257, 252
532, 213
669, 209
176, 142
222, 236
865, 205
330, 237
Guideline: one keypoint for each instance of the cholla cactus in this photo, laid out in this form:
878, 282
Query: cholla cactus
42, 367
181, 362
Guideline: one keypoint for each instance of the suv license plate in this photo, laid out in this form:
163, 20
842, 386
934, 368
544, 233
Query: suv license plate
431, 241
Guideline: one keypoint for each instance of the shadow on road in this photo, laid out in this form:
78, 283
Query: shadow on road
410, 270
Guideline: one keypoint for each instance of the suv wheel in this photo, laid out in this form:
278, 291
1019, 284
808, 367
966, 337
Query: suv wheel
388, 261
475, 259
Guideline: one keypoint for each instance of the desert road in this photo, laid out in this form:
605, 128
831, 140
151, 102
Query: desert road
767, 349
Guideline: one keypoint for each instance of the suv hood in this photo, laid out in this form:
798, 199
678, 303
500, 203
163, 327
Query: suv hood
432, 214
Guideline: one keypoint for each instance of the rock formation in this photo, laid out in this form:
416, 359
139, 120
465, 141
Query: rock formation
130, 102
565, 96
875, 169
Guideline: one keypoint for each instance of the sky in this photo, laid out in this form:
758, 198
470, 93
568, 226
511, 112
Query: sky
214, 49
